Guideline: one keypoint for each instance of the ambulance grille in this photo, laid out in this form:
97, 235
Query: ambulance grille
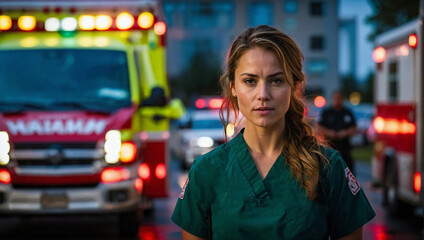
81, 145
56, 154
47, 162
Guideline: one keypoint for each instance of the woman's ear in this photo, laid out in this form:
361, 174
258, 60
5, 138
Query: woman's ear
233, 89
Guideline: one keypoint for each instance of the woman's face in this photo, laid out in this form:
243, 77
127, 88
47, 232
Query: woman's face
263, 94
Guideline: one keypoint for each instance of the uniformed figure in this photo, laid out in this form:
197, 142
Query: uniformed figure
274, 180
338, 125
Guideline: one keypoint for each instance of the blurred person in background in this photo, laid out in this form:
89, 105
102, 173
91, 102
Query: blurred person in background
275, 179
338, 124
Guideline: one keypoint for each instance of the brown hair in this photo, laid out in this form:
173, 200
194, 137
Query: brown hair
301, 149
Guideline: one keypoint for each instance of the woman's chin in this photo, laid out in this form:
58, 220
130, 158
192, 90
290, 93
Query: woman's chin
265, 124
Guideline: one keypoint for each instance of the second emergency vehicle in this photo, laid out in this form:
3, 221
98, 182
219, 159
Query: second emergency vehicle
399, 92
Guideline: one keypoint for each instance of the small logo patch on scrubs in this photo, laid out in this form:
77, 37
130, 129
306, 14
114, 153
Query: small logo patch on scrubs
351, 181
183, 191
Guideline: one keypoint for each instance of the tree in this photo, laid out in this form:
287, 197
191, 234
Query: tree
390, 14
368, 89
349, 85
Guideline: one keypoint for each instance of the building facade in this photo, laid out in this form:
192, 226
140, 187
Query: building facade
209, 27
348, 48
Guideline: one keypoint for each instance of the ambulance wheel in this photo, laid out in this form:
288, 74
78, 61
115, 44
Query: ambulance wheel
393, 204
129, 223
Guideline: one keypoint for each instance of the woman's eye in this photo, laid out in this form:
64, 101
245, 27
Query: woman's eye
249, 81
276, 81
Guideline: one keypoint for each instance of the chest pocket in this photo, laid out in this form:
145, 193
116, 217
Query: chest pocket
240, 215
274, 220
262, 216
251, 218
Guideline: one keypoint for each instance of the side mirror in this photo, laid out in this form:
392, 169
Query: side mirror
176, 108
173, 110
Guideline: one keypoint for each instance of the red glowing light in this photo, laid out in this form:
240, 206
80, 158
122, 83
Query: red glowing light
413, 40
5, 176
128, 152
138, 184
111, 175
200, 103
215, 103
319, 101
417, 182
159, 28
160, 171
144, 171
393, 126
379, 54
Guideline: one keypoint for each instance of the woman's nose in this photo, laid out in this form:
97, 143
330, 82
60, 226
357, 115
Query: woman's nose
263, 92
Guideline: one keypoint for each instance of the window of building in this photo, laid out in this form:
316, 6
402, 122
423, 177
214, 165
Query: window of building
316, 42
209, 15
393, 81
291, 6
260, 13
316, 66
316, 8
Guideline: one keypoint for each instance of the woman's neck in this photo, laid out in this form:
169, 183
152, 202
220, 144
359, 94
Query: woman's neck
264, 140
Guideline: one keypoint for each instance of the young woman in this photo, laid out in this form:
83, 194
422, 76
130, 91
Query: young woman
274, 180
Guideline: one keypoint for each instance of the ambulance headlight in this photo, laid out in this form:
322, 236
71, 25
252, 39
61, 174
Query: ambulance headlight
112, 146
205, 142
4, 148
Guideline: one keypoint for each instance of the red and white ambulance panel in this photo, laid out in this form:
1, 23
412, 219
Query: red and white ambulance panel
396, 164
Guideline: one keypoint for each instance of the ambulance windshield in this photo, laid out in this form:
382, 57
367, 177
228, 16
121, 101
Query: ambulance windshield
64, 79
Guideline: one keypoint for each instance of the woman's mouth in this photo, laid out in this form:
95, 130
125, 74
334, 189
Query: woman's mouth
263, 110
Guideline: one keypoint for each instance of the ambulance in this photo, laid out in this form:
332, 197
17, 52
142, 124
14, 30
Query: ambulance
84, 108
398, 149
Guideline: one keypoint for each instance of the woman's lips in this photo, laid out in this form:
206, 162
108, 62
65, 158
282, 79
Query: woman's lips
263, 110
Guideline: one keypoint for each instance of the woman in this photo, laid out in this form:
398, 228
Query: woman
274, 180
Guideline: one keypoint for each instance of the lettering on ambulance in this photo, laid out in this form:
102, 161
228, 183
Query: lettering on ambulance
49, 127
351, 182
183, 191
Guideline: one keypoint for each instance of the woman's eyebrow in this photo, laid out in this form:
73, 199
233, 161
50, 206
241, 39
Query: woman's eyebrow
269, 76
249, 74
275, 74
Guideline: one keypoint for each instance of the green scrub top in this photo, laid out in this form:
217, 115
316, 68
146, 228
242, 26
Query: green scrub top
225, 191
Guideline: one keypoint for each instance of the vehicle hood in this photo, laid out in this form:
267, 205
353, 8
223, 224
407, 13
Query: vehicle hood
64, 126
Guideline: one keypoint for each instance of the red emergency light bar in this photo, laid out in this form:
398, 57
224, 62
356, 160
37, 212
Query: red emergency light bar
214, 103
122, 22
393, 126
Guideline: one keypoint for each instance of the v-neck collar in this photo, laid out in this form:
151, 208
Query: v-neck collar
242, 155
